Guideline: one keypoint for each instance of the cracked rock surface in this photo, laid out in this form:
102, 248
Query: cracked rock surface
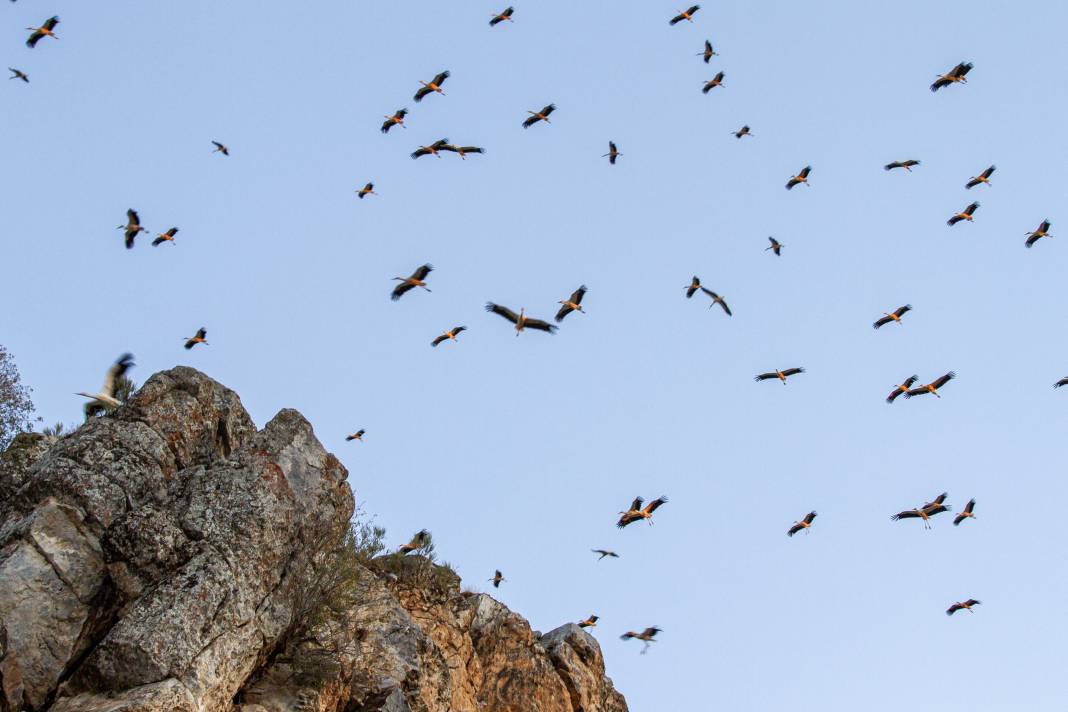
151, 562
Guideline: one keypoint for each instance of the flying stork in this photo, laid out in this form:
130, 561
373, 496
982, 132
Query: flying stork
646, 636
417, 279
105, 400
637, 513
521, 320
432, 87
44, 30
572, 303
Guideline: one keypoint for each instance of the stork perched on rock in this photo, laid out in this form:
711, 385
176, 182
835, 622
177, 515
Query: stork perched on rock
105, 400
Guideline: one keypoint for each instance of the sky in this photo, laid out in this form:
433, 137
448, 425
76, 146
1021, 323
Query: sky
517, 453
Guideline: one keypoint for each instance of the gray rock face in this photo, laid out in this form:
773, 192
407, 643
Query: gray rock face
152, 561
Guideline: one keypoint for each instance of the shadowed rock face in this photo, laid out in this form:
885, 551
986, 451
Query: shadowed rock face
151, 560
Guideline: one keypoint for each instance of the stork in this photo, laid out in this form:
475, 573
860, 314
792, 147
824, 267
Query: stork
521, 320
105, 400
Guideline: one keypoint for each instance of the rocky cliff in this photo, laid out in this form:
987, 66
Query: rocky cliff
159, 559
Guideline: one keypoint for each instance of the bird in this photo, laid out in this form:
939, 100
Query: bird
646, 636
1038, 234
198, 338
449, 335
500, 17
572, 303
716, 81
781, 375
358, 435
521, 320
892, 316
497, 578
18, 74
432, 149
982, 178
953, 76
903, 388
744, 131
684, 15
431, 87
907, 165
925, 512
462, 150
397, 119
1061, 383
220, 148
801, 177
636, 513
803, 525
708, 52
967, 513
165, 237
965, 606
418, 541
105, 400
132, 227
716, 299
931, 387
536, 116
605, 552
590, 622
776, 247
368, 189
44, 30
695, 284
417, 279
965, 214
613, 153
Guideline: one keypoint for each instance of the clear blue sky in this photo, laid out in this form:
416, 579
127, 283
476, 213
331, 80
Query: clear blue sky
518, 452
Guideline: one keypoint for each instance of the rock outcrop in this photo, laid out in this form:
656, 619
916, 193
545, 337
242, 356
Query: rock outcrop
158, 560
